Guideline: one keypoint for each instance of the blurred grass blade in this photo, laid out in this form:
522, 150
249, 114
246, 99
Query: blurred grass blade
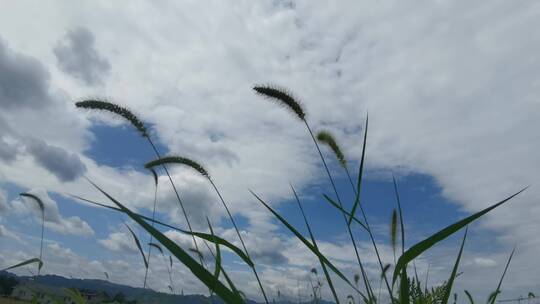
75, 296
492, 297
404, 289
333, 203
30, 261
398, 201
468, 294
307, 243
136, 239
218, 253
205, 236
450, 281
424, 245
156, 246
199, 271
326, 274
498, 290
360, 173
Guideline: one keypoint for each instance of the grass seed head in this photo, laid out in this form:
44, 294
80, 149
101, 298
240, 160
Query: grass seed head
393, 230
178, 160
116, 109
327, 138
283, 97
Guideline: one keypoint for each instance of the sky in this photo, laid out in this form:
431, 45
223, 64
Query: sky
452, 89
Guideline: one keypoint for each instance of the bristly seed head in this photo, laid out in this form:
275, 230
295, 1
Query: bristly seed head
326, 138
178, 160
116, 109
393, 230
283, 97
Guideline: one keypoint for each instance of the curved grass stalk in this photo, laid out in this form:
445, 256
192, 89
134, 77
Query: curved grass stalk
154, 174
201, 170
326, 274
42, 208
498, 290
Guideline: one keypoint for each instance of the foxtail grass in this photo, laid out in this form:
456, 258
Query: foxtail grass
393, 232
327, 139
179, 160
282, 97
139, 126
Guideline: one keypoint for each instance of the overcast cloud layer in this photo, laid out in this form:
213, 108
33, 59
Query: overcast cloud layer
452, 89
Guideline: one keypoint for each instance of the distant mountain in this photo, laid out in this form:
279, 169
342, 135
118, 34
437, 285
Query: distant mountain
132, 293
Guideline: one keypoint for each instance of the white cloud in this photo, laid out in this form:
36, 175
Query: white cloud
119, 241
451, 88
53, 219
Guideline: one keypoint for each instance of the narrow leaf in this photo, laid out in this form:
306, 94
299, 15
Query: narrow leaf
450, 281
360, 173
136, 239
424, 245
306, 242
30, 261
200, 272
205, 236
333, 203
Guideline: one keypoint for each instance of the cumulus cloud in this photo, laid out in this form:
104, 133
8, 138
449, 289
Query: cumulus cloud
119, 241
53, 219
5, 232
77, 56
24, 81
64, 165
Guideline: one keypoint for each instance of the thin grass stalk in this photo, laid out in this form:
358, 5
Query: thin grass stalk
239, 236
326, 274
177, 197
372, 238
362, 270
498, 290
153, 219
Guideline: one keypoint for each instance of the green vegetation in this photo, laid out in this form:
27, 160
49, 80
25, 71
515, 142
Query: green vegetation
401, 288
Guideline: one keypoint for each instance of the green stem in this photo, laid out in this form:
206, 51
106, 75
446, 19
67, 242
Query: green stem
240, 237
364, 276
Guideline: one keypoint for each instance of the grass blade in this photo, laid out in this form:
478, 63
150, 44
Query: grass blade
333, 203
30, 261
360, 172
205, 236
498, 290
136, 239
75, 295
156, 246
218, 254
469, 296
306, 242
454, 272
424, 245
326, 274
197, 269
